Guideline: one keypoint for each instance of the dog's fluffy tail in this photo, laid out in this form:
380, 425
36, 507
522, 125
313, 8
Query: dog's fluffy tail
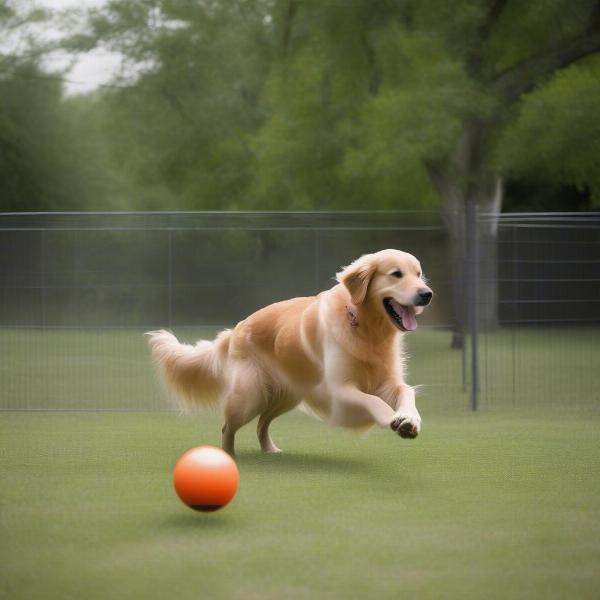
193, 373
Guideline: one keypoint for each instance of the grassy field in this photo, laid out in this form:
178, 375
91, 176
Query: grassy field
479, 506
504, 503
520, 369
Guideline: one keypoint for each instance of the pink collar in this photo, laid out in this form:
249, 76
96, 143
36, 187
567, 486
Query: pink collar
352, 315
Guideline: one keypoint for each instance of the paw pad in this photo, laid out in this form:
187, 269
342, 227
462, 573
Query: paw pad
404, 428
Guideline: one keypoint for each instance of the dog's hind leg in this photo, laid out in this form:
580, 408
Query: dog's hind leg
242, 402
264, 437
278, 405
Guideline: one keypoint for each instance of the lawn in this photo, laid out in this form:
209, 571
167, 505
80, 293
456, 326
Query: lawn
526, 369
504, 503
479, 506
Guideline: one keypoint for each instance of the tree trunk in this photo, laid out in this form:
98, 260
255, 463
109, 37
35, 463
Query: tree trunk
453, 211
489, 204
487, 240
466, 177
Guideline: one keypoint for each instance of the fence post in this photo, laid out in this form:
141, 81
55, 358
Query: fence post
473, 264
170, 277
464, 306
43, 277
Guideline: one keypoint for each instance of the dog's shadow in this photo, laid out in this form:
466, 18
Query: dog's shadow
300, 462
381, 476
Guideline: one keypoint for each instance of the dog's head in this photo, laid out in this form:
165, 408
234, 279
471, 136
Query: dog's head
391, 282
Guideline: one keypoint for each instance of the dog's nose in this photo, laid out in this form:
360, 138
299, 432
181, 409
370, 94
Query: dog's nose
424, 296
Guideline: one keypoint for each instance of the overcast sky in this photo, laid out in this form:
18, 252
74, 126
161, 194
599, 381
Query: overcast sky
91, 68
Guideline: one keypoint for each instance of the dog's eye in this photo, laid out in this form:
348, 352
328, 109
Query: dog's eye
397, 274
419, 274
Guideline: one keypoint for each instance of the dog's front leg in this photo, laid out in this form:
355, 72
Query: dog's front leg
352, 407
406, 421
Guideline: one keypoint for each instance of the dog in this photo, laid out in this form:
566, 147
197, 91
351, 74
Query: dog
339, 353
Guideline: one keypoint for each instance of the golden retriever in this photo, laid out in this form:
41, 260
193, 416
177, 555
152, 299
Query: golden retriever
339, 352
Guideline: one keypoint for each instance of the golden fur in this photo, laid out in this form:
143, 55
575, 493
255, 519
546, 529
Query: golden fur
339, 352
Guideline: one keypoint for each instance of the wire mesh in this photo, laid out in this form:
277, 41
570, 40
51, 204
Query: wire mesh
78, 290
543, 351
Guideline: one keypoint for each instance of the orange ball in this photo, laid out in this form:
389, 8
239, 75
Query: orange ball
206, 478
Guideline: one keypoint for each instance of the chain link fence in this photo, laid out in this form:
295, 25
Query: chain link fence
544, 349
78, 290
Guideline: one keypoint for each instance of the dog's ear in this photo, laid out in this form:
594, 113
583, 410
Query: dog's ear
357, 276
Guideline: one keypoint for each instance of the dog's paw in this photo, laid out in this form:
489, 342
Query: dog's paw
406, 426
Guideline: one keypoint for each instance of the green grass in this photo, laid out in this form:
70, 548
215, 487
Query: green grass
501, 504
528, 369
479, 506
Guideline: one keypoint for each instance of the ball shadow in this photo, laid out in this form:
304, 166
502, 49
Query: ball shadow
197, 520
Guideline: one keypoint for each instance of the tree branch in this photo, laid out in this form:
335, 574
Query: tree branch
594, 25
374, 75
176, 104
7, 143
476, 55
522, 77
491, 19
287, 26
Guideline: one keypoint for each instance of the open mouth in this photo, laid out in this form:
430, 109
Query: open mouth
402, 316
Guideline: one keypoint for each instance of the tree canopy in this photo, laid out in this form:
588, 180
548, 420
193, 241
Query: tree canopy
307, 104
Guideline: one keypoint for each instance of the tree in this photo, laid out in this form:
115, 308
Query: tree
322, 143
189, 96
513, 50
311, 104
449, 92
568, 151
50, 155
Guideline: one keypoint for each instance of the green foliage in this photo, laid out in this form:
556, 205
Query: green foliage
301, 104
180, 130
53, 155
416, 116
527, 29
296, 149
556, 133
34, 168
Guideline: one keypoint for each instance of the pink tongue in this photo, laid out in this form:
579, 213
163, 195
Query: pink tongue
407, 313
408, 319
